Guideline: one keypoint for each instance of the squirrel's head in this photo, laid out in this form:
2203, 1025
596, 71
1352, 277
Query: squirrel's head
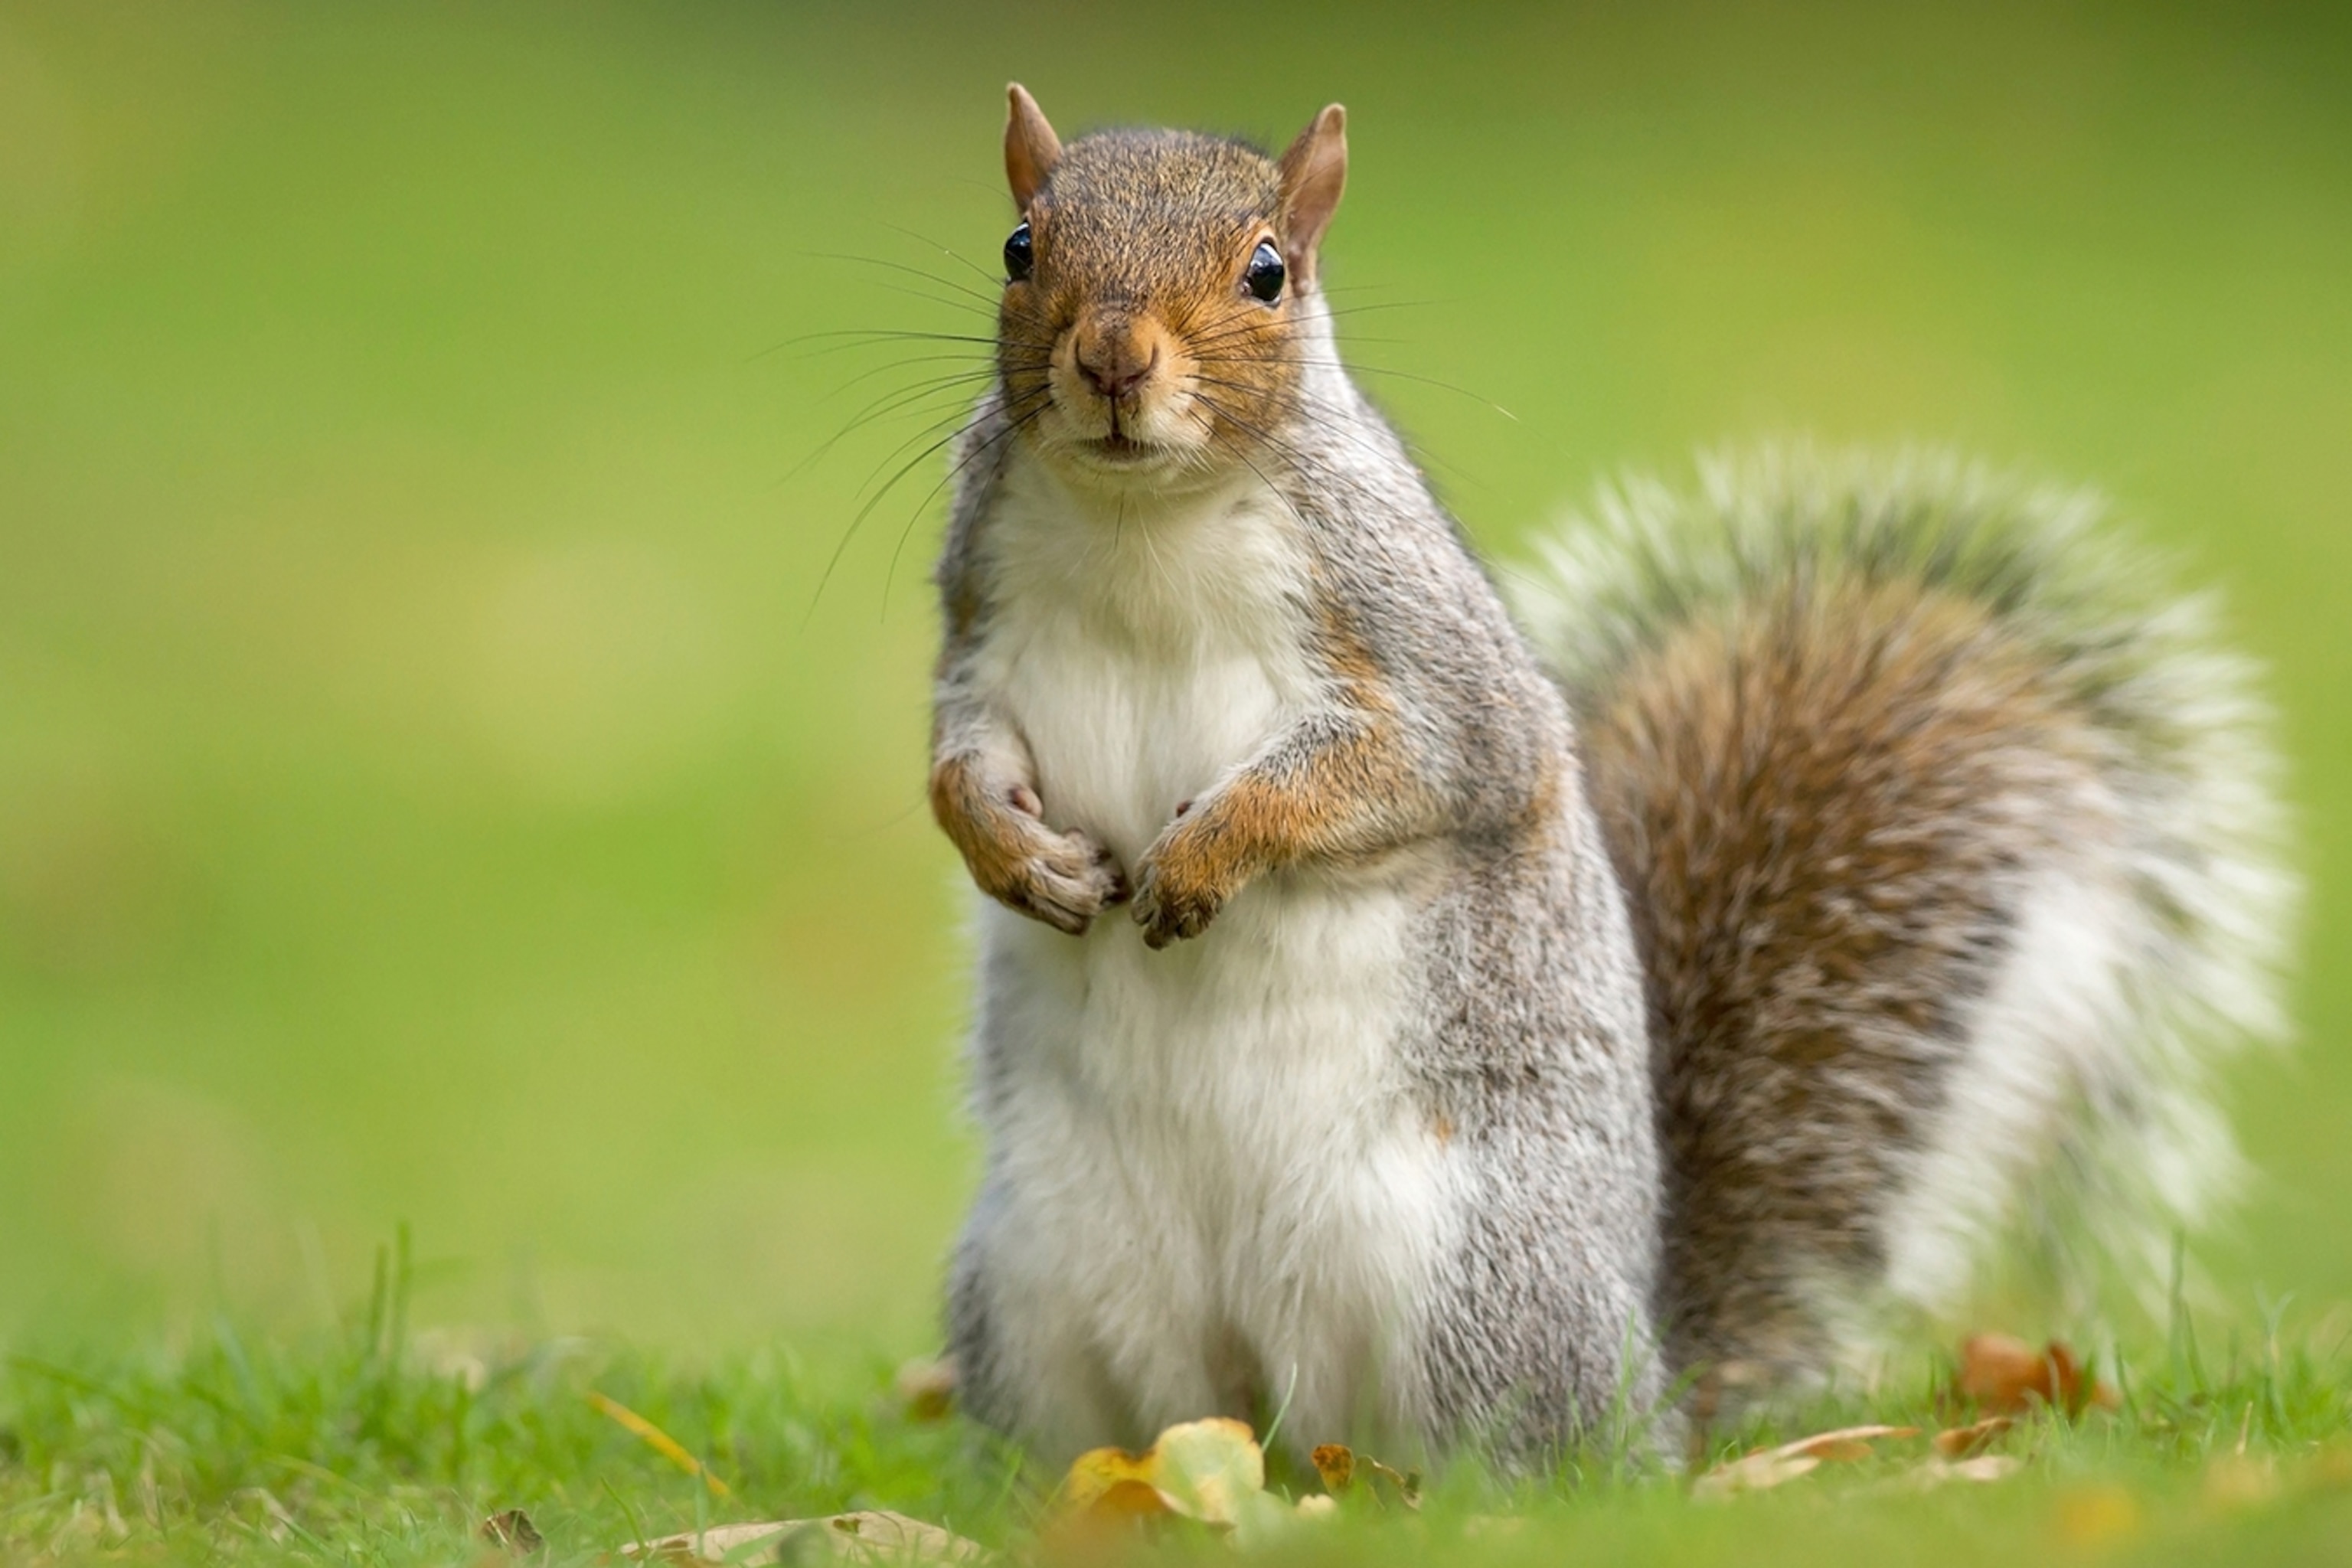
1151, 331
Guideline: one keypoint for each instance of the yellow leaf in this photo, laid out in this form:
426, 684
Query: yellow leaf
1202, 1469
1209, 1467
659, 1441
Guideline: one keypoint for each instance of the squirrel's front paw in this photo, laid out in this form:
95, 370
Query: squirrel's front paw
1065, 881
1181, 884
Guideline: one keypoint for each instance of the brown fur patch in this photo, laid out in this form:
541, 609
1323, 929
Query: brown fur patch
1821, 806
1332, 798
1328, 801
983, 829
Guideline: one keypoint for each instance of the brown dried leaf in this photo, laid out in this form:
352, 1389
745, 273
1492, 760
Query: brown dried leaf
926, 1388
1770, 1468
1960, 1442
872, 1536
514, 1531
1404, 1485
1343, 1469
1756, 1472
2003, 1373
1845, 1444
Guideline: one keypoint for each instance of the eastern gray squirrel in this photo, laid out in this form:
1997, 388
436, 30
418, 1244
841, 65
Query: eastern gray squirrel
1447, 1027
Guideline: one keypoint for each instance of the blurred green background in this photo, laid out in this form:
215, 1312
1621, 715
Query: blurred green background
426, 793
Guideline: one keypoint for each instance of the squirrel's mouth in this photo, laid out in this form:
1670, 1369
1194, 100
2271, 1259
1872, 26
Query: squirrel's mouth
1121, 449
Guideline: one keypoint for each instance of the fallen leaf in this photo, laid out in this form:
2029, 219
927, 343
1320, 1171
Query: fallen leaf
514, 1531
1846, 1443
1201, 1469
1335, 1463
1770, 1468
872, 1536
1210, 1473
1753, 1473
926, 1388
2003, 1373
1960, 1442
659, 1441
1342, 1468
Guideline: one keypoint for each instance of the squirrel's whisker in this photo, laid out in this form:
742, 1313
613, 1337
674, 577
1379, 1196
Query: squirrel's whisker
1383, 370
850, 337
994, 279
833, 561
981, 365
991, 301
915, 515
893, 404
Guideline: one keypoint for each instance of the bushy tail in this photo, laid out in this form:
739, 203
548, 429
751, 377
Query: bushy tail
1953, 844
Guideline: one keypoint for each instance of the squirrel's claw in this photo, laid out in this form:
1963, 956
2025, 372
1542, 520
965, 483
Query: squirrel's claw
1168, 910
1067, 881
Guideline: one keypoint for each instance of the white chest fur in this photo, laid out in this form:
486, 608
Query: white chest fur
1211, 1183
1141, 653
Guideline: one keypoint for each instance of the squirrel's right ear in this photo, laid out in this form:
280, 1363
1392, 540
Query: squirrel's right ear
1030, 147
1314, 172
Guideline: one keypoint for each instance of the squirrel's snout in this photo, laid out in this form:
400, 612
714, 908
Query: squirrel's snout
1116, 358
1118, 385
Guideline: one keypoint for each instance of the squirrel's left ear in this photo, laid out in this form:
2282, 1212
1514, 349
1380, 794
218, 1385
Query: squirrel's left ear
1030, 148
1314, 172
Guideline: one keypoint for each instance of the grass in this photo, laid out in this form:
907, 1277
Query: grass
380, 1445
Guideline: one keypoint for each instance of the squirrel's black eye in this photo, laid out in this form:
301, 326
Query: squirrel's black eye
1018, 256
1264, 279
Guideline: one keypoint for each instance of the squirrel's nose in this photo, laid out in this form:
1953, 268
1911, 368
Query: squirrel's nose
1114, 364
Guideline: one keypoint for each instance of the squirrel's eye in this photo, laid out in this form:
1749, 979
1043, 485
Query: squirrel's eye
1018, 256
1264, 279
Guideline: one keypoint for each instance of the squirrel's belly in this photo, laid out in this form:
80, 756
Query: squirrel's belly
1223, 1184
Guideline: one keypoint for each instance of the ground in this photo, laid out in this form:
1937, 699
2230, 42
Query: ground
382, 1445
